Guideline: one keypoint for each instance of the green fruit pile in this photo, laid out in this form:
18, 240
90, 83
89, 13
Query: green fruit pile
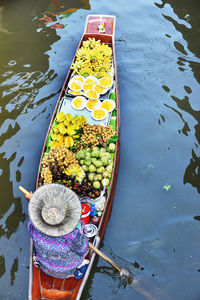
97, 163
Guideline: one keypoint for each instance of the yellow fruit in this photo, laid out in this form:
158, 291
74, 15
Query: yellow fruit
78, 78
62, 129
108, 105
90, 79
99, 114
91, 94
74, 92
75, 85
105, 82
91, 104
60, 117
79, 103
87, 86
99, 89
69, 142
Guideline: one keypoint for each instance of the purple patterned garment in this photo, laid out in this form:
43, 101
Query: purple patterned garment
59, 256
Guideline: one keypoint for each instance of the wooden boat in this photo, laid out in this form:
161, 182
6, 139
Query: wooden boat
41, 285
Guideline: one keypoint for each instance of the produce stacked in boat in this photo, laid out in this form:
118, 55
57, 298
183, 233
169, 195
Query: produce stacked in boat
93, 77
93, 58
80, 155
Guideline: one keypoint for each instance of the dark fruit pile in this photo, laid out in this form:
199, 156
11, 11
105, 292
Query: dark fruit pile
83, 189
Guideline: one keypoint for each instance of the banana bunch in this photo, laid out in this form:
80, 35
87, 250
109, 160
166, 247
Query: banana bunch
93, 58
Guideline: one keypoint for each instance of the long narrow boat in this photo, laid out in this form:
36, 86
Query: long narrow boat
41, 285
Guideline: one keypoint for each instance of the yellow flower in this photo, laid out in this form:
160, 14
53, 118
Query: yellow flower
67, 123
68, 120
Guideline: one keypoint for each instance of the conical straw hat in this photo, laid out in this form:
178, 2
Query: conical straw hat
54, 209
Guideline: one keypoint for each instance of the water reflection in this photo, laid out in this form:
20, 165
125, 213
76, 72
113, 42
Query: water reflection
185, 19
27, 85
3, 267
14, 270
11, 209
59, 9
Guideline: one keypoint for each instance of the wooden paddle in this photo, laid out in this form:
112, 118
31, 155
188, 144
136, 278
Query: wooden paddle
123, 272
142, 285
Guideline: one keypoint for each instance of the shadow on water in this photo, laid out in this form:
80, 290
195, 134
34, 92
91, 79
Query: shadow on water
9, 223
188, 25
29, 85
131, 276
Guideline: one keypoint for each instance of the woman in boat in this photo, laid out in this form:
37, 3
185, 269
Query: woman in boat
55, 254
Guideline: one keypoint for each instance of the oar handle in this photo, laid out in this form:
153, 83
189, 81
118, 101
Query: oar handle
23, 190
106, 258
26, 193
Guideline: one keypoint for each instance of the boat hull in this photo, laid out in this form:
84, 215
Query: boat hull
41, 285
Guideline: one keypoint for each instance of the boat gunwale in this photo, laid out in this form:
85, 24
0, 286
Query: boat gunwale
110, 195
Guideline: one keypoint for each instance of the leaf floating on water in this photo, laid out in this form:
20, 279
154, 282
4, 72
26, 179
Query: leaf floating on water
167, 187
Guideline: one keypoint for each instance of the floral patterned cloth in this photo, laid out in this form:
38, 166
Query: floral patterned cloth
59, 256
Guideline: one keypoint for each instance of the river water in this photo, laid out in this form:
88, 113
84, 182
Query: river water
154, 227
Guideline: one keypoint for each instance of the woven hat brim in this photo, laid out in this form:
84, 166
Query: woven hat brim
49, 192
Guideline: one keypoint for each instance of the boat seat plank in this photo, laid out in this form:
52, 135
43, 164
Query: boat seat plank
55, 294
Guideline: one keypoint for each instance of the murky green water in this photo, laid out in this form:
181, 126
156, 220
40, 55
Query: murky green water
154, 228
